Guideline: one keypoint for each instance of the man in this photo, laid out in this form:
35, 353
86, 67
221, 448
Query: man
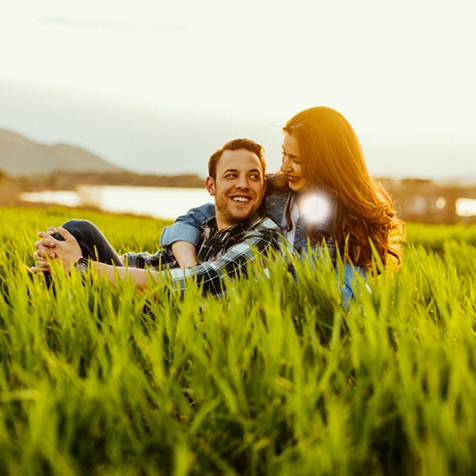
236, 178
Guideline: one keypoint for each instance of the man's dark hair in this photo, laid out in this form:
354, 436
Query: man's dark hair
236, 144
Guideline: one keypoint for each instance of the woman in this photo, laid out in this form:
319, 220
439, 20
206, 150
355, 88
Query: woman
323, 193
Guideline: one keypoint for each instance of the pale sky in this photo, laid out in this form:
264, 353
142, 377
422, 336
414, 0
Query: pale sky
157, 86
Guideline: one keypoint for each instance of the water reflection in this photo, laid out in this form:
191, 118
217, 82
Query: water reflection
163, 202
153, 201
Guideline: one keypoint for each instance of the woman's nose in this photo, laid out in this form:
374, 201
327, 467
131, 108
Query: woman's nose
285, 166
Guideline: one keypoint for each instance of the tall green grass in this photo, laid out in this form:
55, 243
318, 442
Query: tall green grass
273, 379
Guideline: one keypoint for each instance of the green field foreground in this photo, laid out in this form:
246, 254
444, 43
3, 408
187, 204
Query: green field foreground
275, 379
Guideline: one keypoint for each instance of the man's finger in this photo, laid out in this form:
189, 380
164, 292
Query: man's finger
65, 234
37, 270
42, 264
44, 244
46, 240
42, 253
47, 243
40, 260
44, 234
45, 250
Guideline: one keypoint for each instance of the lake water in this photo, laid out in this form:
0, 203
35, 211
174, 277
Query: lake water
157, 202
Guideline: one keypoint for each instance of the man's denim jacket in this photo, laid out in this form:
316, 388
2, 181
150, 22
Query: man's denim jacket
187, 228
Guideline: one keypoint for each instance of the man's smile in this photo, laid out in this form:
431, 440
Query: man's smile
241, 198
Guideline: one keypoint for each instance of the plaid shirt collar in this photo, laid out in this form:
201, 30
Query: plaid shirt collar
217, 241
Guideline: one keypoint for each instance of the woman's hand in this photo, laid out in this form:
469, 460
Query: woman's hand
185, 254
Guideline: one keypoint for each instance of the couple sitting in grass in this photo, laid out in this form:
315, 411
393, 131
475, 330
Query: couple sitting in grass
322, 196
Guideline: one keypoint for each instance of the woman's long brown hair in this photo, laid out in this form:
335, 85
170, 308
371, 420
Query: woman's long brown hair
333, 162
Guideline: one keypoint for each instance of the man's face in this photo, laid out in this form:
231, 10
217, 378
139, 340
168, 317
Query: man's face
238, 188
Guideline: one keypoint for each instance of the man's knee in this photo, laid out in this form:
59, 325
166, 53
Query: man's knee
79, 229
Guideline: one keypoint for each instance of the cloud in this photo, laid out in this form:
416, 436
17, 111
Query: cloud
114, 26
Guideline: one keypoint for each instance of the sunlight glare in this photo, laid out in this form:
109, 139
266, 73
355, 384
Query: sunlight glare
317, 207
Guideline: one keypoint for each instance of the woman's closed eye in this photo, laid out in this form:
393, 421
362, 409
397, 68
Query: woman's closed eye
292, 158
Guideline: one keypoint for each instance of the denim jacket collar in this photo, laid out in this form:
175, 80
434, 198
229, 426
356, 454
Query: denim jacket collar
276, 206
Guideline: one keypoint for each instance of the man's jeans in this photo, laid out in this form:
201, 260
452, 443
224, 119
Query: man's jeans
94, 245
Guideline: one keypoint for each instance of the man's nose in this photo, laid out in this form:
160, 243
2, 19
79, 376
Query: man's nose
242, 182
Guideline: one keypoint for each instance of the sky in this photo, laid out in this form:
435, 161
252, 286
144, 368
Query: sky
156, 86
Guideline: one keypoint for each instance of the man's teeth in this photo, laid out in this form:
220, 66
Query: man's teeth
240, 199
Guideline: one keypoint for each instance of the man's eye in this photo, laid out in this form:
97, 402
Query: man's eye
255, 177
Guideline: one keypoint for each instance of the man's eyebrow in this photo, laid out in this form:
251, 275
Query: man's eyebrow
247, 171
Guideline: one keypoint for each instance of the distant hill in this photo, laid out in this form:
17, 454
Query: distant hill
22, 156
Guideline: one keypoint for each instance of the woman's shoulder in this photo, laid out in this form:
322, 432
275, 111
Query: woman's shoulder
277, 183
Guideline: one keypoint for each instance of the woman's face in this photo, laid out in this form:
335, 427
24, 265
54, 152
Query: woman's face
291, 164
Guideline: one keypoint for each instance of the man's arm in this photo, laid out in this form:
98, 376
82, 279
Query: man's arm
68, 252
47, 247
142, 278
210, 275
230, 264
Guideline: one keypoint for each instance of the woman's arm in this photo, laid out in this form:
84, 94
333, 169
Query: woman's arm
185, 253
187, 227
183, 237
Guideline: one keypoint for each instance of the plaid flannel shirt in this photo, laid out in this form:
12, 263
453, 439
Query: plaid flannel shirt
223, 253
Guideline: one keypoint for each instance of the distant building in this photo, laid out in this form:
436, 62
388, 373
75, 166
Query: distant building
425, 201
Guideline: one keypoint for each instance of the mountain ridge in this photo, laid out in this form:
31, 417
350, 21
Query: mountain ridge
20, 156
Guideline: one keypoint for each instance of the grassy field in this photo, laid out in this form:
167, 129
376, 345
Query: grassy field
271, 380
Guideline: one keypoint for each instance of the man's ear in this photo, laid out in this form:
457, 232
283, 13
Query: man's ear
210, 184
265, 184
